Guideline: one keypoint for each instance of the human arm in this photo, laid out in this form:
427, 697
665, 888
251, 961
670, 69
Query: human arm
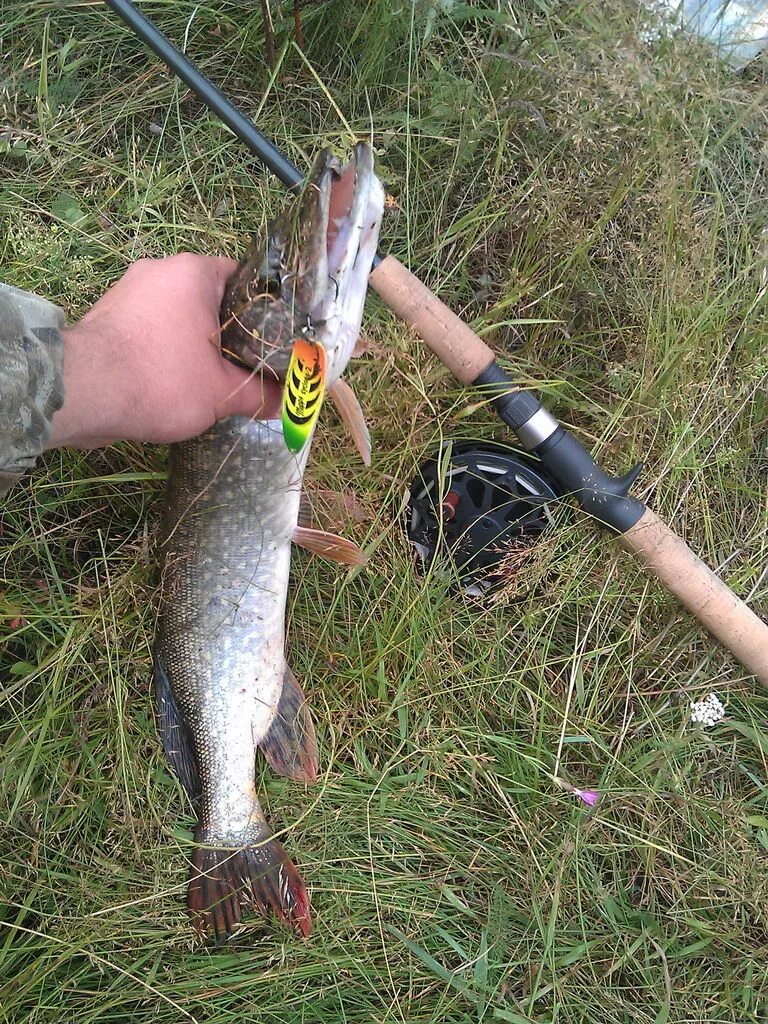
141, 365
31, 387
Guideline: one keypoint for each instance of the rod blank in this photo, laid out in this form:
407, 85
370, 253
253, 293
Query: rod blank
216, 101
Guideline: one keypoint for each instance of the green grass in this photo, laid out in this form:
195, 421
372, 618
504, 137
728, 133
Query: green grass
596, 207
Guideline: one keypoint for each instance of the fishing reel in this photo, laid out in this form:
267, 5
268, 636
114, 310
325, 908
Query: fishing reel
478, 502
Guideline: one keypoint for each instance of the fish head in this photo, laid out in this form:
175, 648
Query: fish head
309, 279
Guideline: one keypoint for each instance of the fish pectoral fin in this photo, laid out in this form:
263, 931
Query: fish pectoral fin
362, 346
329, 545
174, 732
290, 745
306, 518
351, 413
260, 875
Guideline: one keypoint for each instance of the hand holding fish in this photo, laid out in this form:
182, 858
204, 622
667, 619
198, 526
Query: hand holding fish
142, 364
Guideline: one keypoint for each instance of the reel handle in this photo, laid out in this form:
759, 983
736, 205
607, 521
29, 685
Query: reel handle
641, 531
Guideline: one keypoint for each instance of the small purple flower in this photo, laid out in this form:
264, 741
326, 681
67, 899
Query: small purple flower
589, 796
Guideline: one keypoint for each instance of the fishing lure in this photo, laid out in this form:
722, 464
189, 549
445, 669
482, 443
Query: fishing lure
303, 392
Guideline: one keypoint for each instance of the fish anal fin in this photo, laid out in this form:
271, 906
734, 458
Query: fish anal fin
174, 732
226, 879
329, 545
290, 745
351, 413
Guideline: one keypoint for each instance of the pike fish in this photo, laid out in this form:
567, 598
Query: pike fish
223, 687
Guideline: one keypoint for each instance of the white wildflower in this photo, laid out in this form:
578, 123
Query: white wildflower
707, 711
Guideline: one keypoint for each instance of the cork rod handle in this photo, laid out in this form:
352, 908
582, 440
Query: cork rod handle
650, 540
702, 592
455, 344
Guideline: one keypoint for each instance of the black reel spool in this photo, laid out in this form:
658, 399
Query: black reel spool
478, 501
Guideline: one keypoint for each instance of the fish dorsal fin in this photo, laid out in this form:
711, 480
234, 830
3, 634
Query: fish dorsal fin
349, 409
175, 734
329, 545
290, 745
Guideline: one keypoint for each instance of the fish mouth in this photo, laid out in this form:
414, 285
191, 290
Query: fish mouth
343, 211
308, 278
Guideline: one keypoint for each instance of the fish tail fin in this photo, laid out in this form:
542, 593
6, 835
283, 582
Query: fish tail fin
226, 878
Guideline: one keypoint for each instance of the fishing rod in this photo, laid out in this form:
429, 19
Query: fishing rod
603, 496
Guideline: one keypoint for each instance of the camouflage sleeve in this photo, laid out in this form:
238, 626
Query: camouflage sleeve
31, 387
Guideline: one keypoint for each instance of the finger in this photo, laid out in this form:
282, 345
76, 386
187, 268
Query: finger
248, 395
219, 269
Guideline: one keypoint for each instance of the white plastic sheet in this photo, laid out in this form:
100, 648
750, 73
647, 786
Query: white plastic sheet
737, 28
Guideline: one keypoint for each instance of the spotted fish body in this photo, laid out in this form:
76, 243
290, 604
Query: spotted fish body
227, 560
224, 689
